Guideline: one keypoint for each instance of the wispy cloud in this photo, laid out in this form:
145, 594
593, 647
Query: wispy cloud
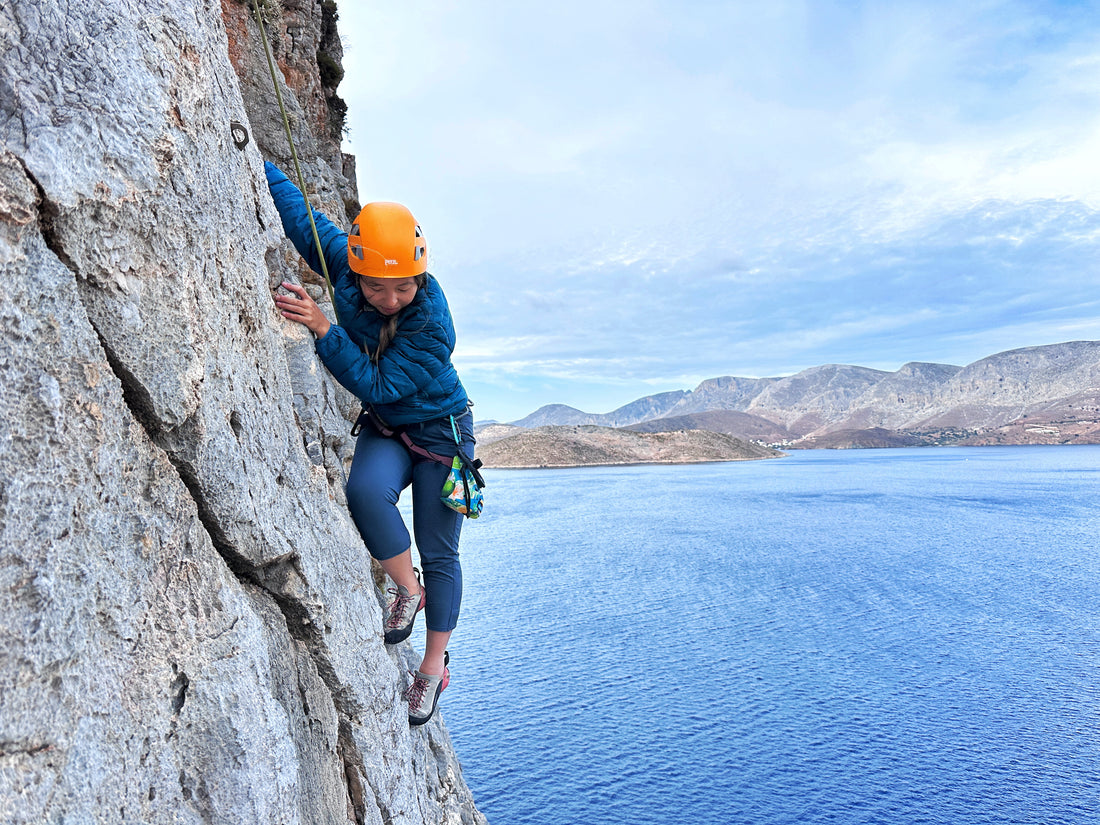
625, 194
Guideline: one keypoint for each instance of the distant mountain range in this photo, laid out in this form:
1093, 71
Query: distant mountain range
1036, 395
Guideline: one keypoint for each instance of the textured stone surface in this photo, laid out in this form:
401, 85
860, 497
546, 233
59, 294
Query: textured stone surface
135, 672
190, 623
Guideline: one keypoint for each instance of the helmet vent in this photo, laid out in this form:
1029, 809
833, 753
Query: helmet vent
418, 248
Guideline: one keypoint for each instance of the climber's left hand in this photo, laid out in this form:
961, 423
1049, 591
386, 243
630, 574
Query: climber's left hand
301, 308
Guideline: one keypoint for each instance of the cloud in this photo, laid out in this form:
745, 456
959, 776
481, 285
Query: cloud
647, 191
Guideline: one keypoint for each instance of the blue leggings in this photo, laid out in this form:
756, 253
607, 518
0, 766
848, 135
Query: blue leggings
381, 469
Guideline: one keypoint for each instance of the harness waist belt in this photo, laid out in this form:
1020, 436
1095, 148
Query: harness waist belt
369, 415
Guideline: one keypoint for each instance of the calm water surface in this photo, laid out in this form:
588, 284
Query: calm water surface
894, 636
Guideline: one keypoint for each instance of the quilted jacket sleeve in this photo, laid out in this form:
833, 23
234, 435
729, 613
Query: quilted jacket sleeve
292, 210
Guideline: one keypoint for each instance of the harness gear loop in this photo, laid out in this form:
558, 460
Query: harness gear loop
472, 465
294, 156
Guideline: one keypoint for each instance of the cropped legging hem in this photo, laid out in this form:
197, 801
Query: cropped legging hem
381, 469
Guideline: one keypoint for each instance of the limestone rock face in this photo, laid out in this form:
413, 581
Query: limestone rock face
807, 400
189, 622
725, 393
898, 398
1014, 384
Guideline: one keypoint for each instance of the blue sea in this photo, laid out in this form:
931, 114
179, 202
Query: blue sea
864, 636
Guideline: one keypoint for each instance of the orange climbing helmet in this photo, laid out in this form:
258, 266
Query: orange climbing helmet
386, 242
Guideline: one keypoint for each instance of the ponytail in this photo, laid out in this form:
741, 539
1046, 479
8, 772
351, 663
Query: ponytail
389, 327
385, 335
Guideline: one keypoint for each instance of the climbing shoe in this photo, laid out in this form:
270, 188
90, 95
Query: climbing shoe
401, 613
423, 694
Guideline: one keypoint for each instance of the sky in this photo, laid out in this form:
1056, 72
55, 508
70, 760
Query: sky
626, 197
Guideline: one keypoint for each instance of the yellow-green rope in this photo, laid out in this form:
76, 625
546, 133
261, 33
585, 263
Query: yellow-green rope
294, 155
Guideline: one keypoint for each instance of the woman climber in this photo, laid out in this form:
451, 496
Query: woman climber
392, 349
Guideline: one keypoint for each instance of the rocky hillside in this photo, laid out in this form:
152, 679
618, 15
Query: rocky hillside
189, 622
751, 427
587, 445
652, 406
1048, 394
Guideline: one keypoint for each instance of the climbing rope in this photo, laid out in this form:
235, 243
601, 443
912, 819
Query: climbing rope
294, 156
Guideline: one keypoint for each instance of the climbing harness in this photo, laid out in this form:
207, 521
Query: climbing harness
462, 487
369, 416
294, 156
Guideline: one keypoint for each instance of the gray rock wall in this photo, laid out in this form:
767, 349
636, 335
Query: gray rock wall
189, 623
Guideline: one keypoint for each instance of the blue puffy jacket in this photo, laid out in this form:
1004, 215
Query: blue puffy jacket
413, 380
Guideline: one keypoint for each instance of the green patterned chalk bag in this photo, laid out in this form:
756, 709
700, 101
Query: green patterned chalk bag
462, 488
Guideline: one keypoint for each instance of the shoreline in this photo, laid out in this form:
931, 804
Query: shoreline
628, 463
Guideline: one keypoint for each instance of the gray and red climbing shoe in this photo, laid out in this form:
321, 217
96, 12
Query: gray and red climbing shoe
401, 613
423, 694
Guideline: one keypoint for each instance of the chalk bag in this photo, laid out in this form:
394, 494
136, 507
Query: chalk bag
462, 487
